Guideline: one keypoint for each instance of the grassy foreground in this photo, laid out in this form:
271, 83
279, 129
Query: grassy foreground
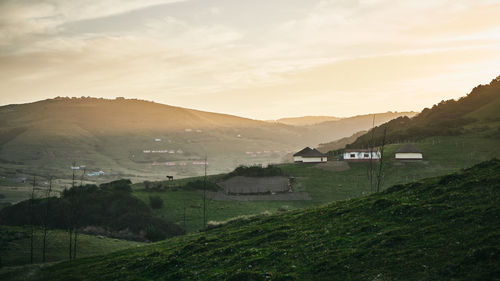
15, 245
443, 228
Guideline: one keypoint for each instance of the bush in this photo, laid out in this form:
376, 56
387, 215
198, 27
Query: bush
200, 184
155, 202
154, 234
256, 171
122, 185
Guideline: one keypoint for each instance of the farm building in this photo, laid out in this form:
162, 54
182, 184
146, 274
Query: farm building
309, 155
360, 155
240, 185
408, 152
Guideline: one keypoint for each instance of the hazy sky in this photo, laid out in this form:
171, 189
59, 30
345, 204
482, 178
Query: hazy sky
263, 59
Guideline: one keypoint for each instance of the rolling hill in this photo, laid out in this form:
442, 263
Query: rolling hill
444, 228
144, 140
306, 120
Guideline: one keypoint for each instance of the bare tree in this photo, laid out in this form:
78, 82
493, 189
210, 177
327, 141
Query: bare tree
46, 220
205, 195
76, 206
70, 230
371, 148
32, 219
380, 174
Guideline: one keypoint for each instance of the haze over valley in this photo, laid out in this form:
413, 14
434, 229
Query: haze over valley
249, 140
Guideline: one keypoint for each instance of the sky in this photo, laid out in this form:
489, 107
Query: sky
259, 59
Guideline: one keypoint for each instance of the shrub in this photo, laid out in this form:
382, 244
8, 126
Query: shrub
200, 184
154, 234
122, 185
256, 171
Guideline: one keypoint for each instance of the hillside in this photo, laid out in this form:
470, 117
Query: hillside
143, 140
476, 113
340, 143
444, 228
306, 120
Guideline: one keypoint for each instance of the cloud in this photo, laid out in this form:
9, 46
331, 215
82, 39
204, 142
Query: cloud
201, 55
21, 21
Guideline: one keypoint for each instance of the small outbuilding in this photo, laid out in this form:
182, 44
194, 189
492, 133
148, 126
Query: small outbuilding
361, 155
309, 155
409, 152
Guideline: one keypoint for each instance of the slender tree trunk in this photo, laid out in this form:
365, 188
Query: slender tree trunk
32, 221
74, 244
380, 174
205, 195
70, 230
371, 168
46, 222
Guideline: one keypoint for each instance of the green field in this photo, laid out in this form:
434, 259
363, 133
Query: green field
15, 245
443, 228
442, 155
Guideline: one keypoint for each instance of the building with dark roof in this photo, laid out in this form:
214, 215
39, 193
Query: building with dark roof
409, 152
309, 155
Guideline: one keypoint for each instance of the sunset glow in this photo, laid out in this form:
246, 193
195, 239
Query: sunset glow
258, 59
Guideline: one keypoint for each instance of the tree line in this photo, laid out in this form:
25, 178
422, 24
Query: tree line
110, 206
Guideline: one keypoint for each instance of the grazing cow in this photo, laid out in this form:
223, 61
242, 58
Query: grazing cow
170, 178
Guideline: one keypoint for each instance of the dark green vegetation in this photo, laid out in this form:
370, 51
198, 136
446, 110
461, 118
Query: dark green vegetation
255, 171
477, 113
110, 207
444, 228
15, 249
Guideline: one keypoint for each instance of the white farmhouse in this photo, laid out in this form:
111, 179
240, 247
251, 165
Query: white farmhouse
309, 155
409, 152
361, 155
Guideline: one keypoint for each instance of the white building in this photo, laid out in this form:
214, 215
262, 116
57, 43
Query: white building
360, 155
409, 152
309, 155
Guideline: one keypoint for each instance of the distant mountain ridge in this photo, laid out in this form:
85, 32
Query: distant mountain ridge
306, 120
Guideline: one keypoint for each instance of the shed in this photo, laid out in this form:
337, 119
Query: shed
409, 152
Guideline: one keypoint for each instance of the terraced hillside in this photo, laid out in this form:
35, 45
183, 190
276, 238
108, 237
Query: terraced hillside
444, 228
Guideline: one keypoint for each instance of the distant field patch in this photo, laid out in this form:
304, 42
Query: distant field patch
240, 185
287, 196
334, 166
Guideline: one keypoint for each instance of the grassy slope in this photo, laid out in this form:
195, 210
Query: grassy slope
444, 228
15, 246
443, 155
487, 112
